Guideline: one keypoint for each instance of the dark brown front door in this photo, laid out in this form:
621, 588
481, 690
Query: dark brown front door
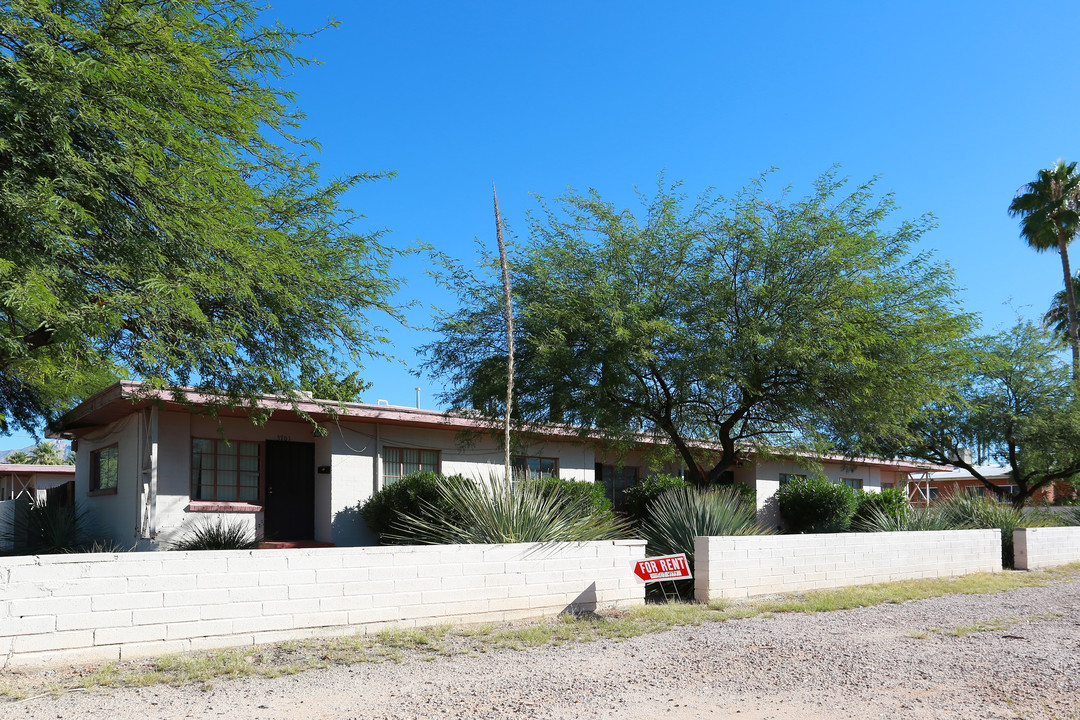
290, 490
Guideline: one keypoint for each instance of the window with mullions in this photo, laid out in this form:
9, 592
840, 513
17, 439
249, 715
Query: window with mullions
224, 471
533, 468
853, 483
402, 462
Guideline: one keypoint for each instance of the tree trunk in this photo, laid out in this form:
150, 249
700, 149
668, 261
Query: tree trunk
1070, 300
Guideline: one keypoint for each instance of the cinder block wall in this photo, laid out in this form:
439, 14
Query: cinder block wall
1035, 548
63, 608
734, 567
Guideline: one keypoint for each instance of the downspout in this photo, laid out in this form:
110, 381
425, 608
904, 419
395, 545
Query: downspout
376, 459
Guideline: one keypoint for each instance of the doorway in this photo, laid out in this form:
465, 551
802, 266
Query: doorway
290, 491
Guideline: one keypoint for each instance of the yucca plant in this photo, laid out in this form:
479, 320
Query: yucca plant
678, 516
216, 534
490, 512
965, 511
885, 519
42, 528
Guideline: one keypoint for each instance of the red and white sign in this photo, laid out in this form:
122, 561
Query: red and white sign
668, 567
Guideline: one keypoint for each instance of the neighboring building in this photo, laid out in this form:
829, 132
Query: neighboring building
934, 485
32, 481
148, 468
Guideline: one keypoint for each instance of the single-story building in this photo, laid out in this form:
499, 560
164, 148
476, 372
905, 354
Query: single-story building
148, 467
19, 480
924, 490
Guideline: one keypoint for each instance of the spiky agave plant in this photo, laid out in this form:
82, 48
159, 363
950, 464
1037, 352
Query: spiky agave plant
965, 511
40, 527
216, 534
489, 512
678, 516
901, 520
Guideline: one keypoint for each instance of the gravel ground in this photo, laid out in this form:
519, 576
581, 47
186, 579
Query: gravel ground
903, 661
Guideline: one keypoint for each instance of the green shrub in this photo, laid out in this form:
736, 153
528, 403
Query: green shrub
408, 496
216, 534
891, 501
680, 515
641, 494
592, 493
490, 512
816, 505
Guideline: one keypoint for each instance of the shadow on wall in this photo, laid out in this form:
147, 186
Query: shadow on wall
348, 529
585, 602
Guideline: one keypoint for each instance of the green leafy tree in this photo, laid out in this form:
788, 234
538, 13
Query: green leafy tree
1047, 208
158, 216
713, 327
1017, 398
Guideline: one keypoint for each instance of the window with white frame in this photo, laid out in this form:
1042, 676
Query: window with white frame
223, 471
401, 462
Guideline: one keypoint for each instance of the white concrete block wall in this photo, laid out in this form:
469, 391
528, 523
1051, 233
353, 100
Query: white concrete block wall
1035, 548
734, 567
63, 608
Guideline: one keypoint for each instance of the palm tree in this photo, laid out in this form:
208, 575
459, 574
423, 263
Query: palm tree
48, 453
18, 457
1049, 220
1056, 318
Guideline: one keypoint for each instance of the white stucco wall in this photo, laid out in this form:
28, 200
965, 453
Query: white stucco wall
765, 477
112, 516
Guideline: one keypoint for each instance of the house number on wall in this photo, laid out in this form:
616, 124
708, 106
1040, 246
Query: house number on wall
284, 438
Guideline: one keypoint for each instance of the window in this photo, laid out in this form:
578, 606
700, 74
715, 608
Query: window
616, 482
103, 471
402, 462
785, 478
533, 468
853, 483
975, 491
223, 471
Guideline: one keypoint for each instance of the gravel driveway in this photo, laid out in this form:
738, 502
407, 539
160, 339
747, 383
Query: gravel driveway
1009, 655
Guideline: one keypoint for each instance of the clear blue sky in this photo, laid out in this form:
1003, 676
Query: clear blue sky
954, 105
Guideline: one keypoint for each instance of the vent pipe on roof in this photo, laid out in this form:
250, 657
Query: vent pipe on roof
384, 403
417, 398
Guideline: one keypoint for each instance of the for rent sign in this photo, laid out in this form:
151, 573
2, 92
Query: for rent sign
668, 567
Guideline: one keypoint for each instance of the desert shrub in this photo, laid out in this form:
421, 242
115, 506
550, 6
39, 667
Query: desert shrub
490, 512
408, 496
964, 511
816, 505
216, 534
43, 528
679, 515
903, 519
595, 499
891, 501
641, 494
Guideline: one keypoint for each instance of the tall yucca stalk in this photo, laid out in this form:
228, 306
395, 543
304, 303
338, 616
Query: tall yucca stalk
509, 310
491, 512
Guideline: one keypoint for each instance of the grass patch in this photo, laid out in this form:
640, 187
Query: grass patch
396, 645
